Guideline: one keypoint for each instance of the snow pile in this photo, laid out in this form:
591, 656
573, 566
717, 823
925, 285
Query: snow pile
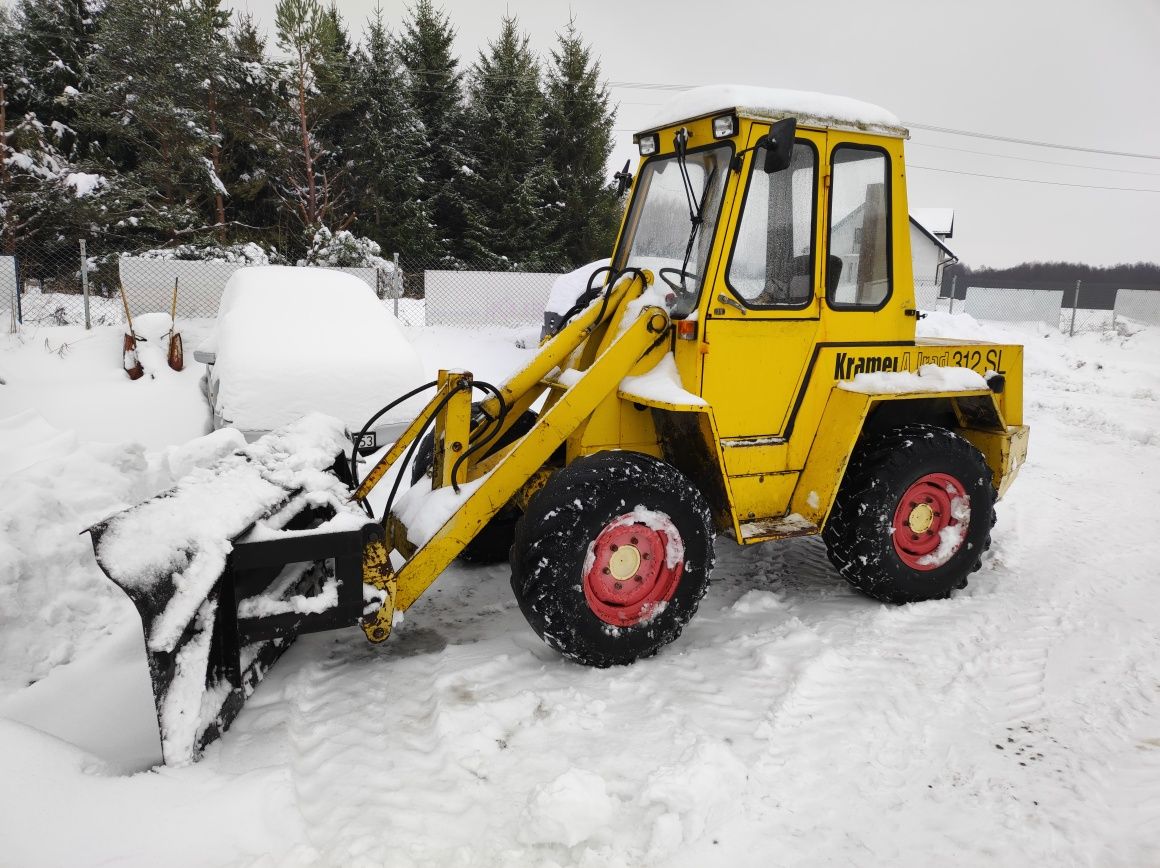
568, 287
292, 341
772, 102
54, 602
662, 384
930, 378
572, 808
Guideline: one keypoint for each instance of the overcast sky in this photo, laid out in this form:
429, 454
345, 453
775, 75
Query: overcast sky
1073, 72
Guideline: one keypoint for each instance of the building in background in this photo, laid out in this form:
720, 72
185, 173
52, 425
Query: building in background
929, 230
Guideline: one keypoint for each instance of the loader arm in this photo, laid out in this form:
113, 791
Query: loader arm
464, 513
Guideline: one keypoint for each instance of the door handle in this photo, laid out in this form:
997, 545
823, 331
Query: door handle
724, 299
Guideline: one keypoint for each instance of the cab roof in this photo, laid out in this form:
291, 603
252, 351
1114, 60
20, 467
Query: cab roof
811, 109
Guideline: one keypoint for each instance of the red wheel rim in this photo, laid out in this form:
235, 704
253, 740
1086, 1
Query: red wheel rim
931, 521
633, 568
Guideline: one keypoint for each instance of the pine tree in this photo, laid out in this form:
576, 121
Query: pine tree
153, 80
250, 143
577, 142
55, 40
435, 89
506, 225
310, 180
388, 155
34, 173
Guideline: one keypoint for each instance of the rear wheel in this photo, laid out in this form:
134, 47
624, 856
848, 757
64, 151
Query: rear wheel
913, 515
612, 558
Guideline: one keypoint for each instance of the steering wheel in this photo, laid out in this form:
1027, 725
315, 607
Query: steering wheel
679, 288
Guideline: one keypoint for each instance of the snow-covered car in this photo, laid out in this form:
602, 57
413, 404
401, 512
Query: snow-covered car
566, 289
291, 341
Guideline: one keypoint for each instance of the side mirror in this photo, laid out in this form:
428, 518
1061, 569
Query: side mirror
779, 145
623, 179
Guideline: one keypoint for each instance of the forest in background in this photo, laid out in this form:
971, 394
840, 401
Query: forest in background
173, 126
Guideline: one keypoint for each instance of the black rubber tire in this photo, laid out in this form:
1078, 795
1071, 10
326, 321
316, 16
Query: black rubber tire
564, 519
858, 533
494, 540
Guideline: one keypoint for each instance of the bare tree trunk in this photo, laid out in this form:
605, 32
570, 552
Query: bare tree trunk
308, 158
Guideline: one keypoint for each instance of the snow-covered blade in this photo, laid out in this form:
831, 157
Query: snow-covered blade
230, 565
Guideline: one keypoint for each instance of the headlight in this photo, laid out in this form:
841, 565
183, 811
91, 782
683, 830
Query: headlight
724, 126
648, 145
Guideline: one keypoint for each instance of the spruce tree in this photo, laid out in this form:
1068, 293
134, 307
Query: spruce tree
250, 140
388, 156
55, 40
152, 80
577, 143
309, 179
435, 90
506, 225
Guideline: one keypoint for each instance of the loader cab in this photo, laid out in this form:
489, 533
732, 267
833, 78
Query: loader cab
782, 262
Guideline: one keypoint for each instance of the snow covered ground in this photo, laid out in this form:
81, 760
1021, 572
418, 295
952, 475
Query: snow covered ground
794, 722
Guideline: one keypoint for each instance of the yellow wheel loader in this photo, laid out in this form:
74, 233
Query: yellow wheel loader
747, 366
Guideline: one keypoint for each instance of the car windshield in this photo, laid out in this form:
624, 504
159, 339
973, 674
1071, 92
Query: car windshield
661, 232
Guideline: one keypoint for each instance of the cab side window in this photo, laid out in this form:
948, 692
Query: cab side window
859, 228
772, 264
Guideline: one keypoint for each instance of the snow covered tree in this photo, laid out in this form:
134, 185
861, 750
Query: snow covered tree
387, 157
55, 38
311, 180
155, 73
506, 224
435, 90
249, 143
577, 143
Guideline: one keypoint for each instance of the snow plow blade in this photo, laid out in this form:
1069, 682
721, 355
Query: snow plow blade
228, 567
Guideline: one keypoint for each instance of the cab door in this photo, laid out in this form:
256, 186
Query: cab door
762, 315
761, 323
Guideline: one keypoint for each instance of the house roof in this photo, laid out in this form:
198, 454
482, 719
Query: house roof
937, 221
934, 238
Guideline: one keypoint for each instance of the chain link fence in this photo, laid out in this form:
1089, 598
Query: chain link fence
1071, 309
68, 284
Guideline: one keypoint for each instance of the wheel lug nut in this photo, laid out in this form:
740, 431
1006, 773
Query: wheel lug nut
646, 556
637, 579
606, 571
613, 548
633, 540
618, 586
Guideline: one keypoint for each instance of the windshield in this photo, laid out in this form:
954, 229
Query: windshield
659, 231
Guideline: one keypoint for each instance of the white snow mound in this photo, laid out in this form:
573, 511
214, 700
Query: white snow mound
570, 809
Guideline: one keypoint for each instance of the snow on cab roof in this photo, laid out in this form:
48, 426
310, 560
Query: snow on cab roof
811, 109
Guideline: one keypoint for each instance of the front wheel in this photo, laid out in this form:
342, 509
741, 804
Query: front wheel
913, 515
612, 557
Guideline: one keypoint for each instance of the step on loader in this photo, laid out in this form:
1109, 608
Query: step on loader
747, 366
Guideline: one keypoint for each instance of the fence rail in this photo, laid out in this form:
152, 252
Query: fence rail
66, 286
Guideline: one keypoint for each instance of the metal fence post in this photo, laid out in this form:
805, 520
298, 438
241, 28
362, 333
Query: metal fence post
85, 284
954, 281
1074, 305
19, 289
398, 279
